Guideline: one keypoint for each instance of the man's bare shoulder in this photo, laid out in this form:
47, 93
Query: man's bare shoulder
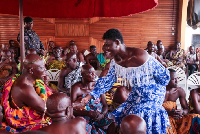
181, 91
21, 85
77, 86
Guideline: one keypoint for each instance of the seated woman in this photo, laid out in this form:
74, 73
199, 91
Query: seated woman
178, 117
177, 56
24, 98
95, 111
8, 67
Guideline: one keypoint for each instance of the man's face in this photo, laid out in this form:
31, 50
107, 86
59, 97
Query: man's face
151, 48
12, 43
191, 50
173, 80
57, 52
159, 45
72, 62
29, 25
160, 51
39, 70
51, 44
178, 45
73, 48
93, 50
89, 75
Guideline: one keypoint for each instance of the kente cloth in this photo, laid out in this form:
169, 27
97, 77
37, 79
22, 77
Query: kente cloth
110, 94
102, 60
177, 55
180, 126
74, 76
31, 40
148, 82
99, 127
171, 106
56, 65
25, 118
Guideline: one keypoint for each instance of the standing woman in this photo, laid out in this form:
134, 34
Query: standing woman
147, 77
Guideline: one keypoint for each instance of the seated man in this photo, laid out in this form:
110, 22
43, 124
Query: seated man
8, 67
132, 124
56, 62
24, 98
70, 74
58, 105
95, 111
160, 54
73, 49
192, 59
151, 51
177, 56
103, 58
173, 92
91, 58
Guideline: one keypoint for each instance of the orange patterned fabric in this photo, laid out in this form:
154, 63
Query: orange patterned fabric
180, 126
25, 118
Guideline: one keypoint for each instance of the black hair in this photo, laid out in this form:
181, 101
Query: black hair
158, 41
178, 42
150, 43
56, 48
171, 70
10, 41
93, 46
27, 19
113, 34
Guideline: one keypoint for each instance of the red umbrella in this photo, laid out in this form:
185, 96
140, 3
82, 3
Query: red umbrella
72, 9
77, 8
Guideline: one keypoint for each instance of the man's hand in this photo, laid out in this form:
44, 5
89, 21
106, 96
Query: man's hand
79, 104
96, 115
178, 114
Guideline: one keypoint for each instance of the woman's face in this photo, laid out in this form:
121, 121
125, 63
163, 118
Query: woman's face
111, 46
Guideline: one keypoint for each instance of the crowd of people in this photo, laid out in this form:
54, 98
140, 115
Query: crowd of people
123, 90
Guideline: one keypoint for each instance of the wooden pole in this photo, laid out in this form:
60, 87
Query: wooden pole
22, 50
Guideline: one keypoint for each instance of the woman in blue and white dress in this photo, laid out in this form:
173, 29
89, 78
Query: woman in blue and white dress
144, 74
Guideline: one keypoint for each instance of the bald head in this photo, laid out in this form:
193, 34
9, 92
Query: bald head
88, 73
57, 103
86, 67
133, 124
32, 58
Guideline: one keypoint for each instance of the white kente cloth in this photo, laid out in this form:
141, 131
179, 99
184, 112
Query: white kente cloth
148, 83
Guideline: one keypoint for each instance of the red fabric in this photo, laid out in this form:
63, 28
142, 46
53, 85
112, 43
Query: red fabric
76, 8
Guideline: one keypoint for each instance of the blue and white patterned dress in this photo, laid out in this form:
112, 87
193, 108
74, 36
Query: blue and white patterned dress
148, 83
